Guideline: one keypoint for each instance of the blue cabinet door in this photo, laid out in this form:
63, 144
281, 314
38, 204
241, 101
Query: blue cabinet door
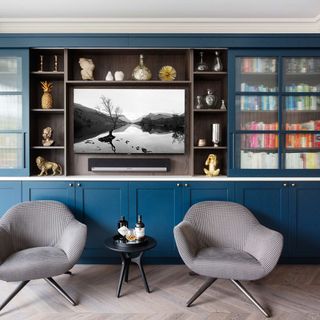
10, 195
268, 201
159, 203
305, 203
62, 191
100, 205
194, 192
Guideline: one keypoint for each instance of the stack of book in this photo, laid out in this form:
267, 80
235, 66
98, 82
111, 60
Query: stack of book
258, 160
302, 87
310, 160
256, 103
265, 65
303, 140
310, 125
259, 141
255, 125
245, 87
303, 103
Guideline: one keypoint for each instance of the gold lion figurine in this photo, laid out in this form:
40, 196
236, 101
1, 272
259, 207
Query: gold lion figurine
44, 166
212, 163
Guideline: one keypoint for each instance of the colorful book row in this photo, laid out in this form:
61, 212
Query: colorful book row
254, 125
259, 141
300, 140
244, 87
304, 160
267, 65
256, 103
258, 160
303, 65
302, 103
302, 87
310, 125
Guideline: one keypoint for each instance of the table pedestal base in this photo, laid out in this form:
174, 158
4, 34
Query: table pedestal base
126, 259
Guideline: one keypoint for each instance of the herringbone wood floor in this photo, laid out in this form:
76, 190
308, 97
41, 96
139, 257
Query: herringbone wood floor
291, 291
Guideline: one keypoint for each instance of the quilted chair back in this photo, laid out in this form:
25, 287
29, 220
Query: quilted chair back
221, 224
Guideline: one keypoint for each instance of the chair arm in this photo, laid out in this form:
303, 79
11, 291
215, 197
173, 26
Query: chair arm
73, 240
6, 247
186, 241
265, 245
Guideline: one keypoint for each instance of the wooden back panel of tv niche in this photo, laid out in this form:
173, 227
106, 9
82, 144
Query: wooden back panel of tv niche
126, 60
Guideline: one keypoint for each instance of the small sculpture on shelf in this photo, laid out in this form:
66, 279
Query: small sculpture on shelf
141, 72
47, 137
44, 166
199, 104
211, 161
211, 99
118, 75
167, 73
223, 105
46, 99
109, 76
217, 64
87, 67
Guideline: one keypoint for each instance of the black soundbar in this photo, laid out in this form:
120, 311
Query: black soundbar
128, 165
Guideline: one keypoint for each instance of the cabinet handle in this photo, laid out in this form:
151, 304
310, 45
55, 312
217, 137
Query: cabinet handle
78, 184
70, 184
178, 184
293, 184
284, 184
186, 185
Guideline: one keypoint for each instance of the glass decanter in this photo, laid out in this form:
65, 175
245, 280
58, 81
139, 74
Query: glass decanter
217, 64
141, 72
201, 65
211, 99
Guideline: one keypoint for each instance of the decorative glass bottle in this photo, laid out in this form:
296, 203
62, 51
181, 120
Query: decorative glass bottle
141, 72
211, 99
217, 64
201, 65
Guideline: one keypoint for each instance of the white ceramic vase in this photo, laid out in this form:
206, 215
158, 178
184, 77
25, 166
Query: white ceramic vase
109, 76
119, 75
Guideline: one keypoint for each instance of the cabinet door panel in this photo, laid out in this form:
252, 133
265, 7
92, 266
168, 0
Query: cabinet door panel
10, 195
62, 191
206, 191
100, 205
160, 206
305, 202
268, 201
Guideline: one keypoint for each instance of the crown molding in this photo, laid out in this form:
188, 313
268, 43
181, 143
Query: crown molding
160, 25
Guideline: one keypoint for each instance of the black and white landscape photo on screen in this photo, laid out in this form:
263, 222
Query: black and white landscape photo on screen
143, 121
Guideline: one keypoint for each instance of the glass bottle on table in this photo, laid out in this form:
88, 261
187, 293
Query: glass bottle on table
139, 229
122, 223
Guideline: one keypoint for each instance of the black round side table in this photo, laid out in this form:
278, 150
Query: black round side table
131, 253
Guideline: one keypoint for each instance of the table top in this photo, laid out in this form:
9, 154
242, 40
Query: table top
146, 245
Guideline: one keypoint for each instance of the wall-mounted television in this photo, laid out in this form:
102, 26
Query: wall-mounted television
129, 121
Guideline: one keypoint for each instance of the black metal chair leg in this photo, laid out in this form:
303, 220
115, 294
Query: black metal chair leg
14, 293
69, 273
201, 290
60, 290
250, 297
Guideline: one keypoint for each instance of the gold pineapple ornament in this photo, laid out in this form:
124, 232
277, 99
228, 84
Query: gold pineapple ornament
46, 99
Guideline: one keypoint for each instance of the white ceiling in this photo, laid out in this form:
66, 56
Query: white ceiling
160, 16
160, 9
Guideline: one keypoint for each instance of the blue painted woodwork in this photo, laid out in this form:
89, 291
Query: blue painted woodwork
269, 202
10, 195
304, 206
99, 205
24, 55
194, 192
159, 203
62, 191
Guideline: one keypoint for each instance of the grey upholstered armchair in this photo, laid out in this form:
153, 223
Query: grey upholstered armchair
224, 240
39, 239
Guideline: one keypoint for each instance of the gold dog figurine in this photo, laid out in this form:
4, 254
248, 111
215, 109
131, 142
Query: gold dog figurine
212, 163
44, 166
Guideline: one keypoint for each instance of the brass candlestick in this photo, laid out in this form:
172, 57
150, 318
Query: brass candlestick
55, 63
41, 63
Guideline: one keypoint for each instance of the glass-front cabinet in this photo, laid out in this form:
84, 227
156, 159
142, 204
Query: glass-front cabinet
274, 113
13, 112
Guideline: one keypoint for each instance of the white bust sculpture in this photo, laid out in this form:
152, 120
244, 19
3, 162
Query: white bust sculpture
87, 67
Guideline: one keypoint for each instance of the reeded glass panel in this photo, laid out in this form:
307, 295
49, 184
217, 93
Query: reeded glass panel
10, 74
256, 113
301, 113
258, 74
11, 150
301, 74
10, 112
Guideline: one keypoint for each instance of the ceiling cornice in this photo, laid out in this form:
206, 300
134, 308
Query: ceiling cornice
160, 25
